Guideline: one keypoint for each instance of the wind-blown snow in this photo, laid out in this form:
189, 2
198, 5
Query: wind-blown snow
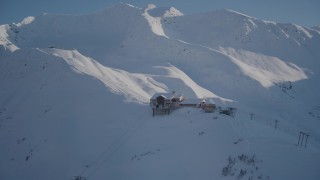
135, 87
304, 31
199, 91
265, 69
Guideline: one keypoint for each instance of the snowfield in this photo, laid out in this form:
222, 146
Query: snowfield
75, 92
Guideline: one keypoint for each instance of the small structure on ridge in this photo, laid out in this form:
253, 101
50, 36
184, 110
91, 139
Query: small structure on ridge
164, 103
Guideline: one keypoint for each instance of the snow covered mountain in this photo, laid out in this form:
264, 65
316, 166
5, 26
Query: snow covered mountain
75, 91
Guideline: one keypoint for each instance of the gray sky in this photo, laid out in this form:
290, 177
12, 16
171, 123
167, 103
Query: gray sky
302, 12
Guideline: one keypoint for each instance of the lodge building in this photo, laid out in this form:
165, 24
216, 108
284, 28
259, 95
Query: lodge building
164, 103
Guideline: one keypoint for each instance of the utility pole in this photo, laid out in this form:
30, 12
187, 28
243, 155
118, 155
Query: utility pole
299, 138
305, 145
300, 143
302, 138
251, 116
276, 121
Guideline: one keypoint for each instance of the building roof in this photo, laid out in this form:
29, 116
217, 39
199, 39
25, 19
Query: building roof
191, 101
165, 95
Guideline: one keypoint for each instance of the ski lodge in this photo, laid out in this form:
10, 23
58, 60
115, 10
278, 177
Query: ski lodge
164, 103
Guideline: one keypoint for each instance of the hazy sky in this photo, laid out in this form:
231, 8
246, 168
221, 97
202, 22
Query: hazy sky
302, 12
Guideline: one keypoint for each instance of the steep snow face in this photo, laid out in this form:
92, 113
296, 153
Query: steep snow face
199, 91
9, 34
135, 87
305, 32
155, 15
207, 29
227, 28
265, 69
5, 40
154, 22
235, 29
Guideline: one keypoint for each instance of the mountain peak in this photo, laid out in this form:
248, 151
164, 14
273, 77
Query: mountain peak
155, 11
26, 21
172, 12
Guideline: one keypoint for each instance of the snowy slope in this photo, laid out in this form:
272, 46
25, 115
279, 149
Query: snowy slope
75, 89
317, 28
227, 28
